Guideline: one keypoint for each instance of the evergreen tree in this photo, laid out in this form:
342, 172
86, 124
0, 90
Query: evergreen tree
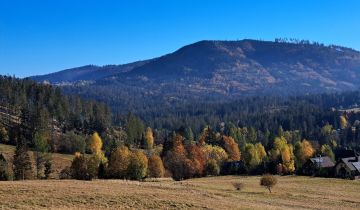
22, 163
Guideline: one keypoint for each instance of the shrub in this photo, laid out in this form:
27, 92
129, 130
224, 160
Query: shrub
268, 181
156, 167
238, 185
65, 173
83, 168
212, 168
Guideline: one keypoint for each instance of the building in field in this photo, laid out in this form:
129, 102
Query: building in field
319, 166
348, 168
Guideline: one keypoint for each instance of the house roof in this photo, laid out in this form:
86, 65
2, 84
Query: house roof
352, 163
323, 162
357, 166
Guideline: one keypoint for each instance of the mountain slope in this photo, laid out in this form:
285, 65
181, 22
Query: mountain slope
248, 66
221, 70
89, 72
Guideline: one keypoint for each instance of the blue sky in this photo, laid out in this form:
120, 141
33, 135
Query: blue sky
39, 37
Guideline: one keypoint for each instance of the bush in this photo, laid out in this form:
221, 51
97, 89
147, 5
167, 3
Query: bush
156, 167
268, 181
65, 173
83, 168
238, 185
212, 168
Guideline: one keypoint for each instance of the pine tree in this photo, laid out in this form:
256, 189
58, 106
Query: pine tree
22, 163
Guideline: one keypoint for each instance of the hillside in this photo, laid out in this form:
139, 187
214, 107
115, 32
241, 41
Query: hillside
291, 192
86, 73
230, 68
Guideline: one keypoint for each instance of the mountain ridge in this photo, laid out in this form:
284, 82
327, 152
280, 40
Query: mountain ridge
231, 69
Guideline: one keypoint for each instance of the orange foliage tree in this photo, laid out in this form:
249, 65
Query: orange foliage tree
156, 167
231, 148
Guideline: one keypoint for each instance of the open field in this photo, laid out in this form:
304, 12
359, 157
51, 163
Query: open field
291, 192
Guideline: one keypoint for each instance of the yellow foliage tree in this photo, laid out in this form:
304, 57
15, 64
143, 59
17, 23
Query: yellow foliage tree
149, 137
254, 155
95, 143
303, 151
119, 162
96, 146
327, 151
283, 151
343, 122
138, 165
214, 153
260, 149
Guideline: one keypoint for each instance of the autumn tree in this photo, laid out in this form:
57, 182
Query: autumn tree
95, 143
343, 122
214, 153
268, 181
96, 149
119, 162
283, 153
149, 138
197, 160
175, 159
327, 151
138, 165
303, 151
254, 155
156, 167
231, 148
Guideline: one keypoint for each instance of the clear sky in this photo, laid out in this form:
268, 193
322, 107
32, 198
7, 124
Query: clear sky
43, 36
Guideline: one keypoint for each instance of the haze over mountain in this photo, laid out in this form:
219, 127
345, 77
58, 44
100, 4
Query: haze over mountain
217, 69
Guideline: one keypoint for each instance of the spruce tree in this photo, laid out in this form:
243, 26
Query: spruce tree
22, 163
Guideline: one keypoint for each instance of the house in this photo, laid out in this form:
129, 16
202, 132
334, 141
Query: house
319, 166
348, 168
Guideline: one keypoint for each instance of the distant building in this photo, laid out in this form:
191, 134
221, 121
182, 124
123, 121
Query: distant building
318, 166
348, 168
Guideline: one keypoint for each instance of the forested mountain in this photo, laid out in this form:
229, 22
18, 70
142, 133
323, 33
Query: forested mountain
216, 71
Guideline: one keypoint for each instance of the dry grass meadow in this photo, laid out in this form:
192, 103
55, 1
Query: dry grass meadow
291, 192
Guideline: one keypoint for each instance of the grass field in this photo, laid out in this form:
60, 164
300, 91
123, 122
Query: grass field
291, 192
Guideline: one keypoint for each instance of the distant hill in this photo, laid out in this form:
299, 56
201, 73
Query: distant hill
86, 73
219, 70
